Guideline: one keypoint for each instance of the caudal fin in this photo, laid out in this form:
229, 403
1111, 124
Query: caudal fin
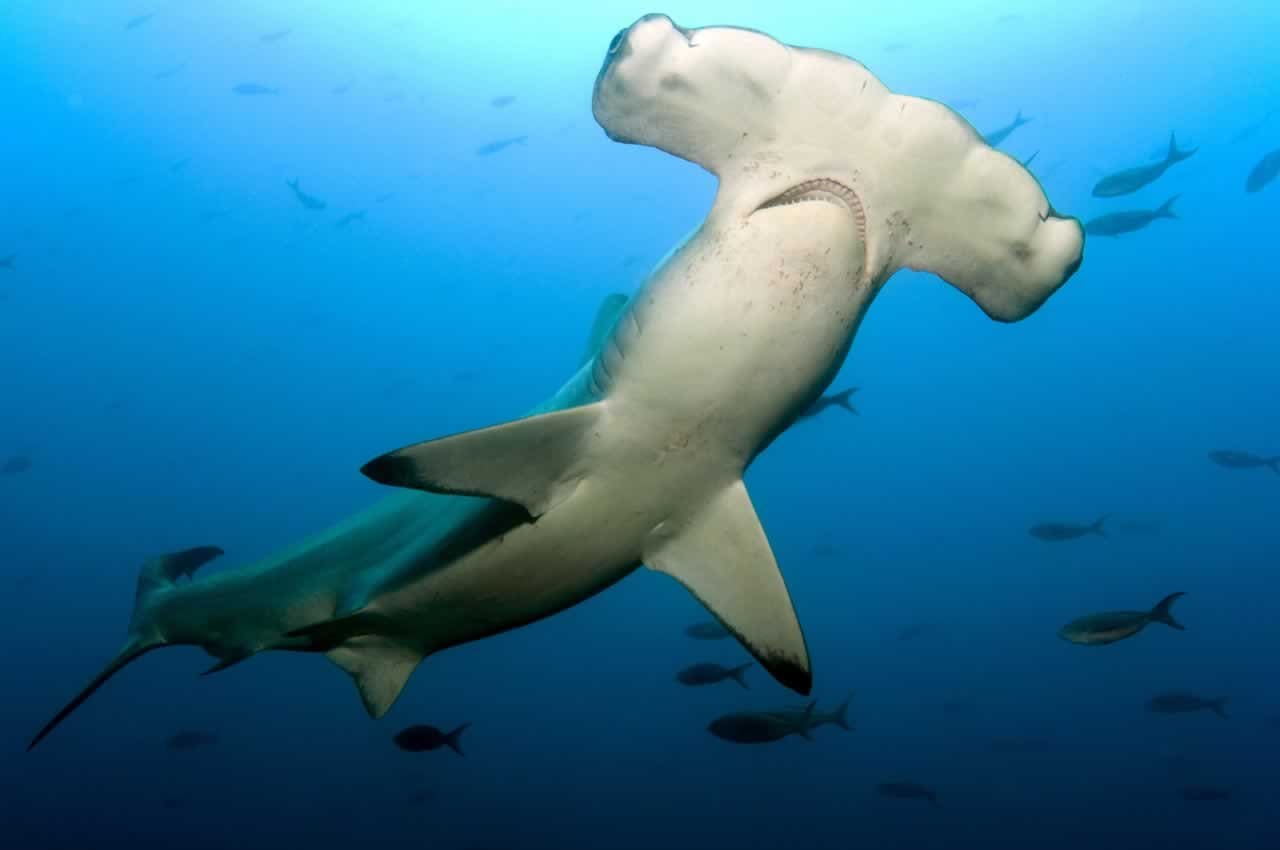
1176, 155
1274, 463
1162, 613
840, 716
842, 398
454, 739
1018, 120
1097, 527
155, 577
738, 674
1219, 707
1165, 210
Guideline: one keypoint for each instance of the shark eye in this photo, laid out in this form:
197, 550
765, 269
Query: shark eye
617, 42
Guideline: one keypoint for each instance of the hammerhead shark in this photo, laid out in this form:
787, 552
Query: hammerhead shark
828, 184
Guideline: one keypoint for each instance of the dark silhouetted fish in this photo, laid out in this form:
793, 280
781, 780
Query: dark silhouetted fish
1185, 702
347, 219
1243, 460
1130, 180
274, 35
907, 791
710, 674
1204, 793
1054, 532
135, 22
810, 717
7, 262
1127, 221
995, 137
309, 201
1111, 626
171, 71
251, 89
1264, 172
840, 399
502, 101
758, 727
16, 464
190, 739
491, 148
423, 738
707, 630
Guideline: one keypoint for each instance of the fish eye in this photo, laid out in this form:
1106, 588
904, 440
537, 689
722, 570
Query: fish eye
617, 42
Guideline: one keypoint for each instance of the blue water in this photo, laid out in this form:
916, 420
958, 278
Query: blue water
189, 356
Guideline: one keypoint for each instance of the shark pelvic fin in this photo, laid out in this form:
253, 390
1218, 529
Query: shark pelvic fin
364, 645
535, 462
722, 556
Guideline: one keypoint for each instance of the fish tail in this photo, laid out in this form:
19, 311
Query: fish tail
1219, 707
454, 739
737, 674
1097, 527
1274, 463
1176, 155
1018, 120
842, 398
840, 716
293, 184
1163, 613
1165, 210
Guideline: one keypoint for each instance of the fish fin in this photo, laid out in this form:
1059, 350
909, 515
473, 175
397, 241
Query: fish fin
132, 651
1019, 120
366, 646
1165, 210
1176, 155
738, 674
841, 715
1162, 613
227, 662
842, 398
721, 555
454, 739
1219, 707
1274, 463
160, 573
805, 732
536, 462
1097, 527
606, 317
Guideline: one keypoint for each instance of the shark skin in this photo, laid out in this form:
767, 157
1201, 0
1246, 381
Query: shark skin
828, 184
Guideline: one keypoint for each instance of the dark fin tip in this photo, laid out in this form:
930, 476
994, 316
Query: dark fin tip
390, 469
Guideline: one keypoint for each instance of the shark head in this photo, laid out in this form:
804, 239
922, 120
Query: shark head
779, 124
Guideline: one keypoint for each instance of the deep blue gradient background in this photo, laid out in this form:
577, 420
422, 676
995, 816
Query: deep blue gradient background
191, 357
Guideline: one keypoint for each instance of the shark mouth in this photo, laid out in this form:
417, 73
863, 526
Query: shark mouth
822, 190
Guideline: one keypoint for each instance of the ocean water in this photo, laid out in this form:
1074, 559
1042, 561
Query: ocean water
191, 355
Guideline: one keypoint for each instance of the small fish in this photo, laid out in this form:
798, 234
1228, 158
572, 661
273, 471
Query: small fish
1111, 626
1127, 221
995, 137
16, 464
907, 791
758, 727
190, 739
1129, 180
251, 89
1204, 793
309, 201
347, 219
6, 263
1243, 460
171, 71
1054, 532
840, 399
423, 738
710, 674
1264, 172
134, 23
502, 101
274, 35
180, 166
491, 148
707, 630
1185, 702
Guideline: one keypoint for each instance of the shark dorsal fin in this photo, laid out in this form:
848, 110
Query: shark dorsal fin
722, 556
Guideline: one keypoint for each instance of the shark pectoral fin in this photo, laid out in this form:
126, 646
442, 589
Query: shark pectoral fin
722, 556
380, 668
535, 462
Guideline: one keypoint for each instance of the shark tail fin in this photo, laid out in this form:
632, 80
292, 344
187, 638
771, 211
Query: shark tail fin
1099, 526
1219, 707
1018, 120
738, 674
366, 647
454, 739
1165, 210
155, 577
132, 651
1176, 155
1163, 612
840, 716
842, 398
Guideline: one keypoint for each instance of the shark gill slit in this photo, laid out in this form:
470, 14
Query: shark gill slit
826, 190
